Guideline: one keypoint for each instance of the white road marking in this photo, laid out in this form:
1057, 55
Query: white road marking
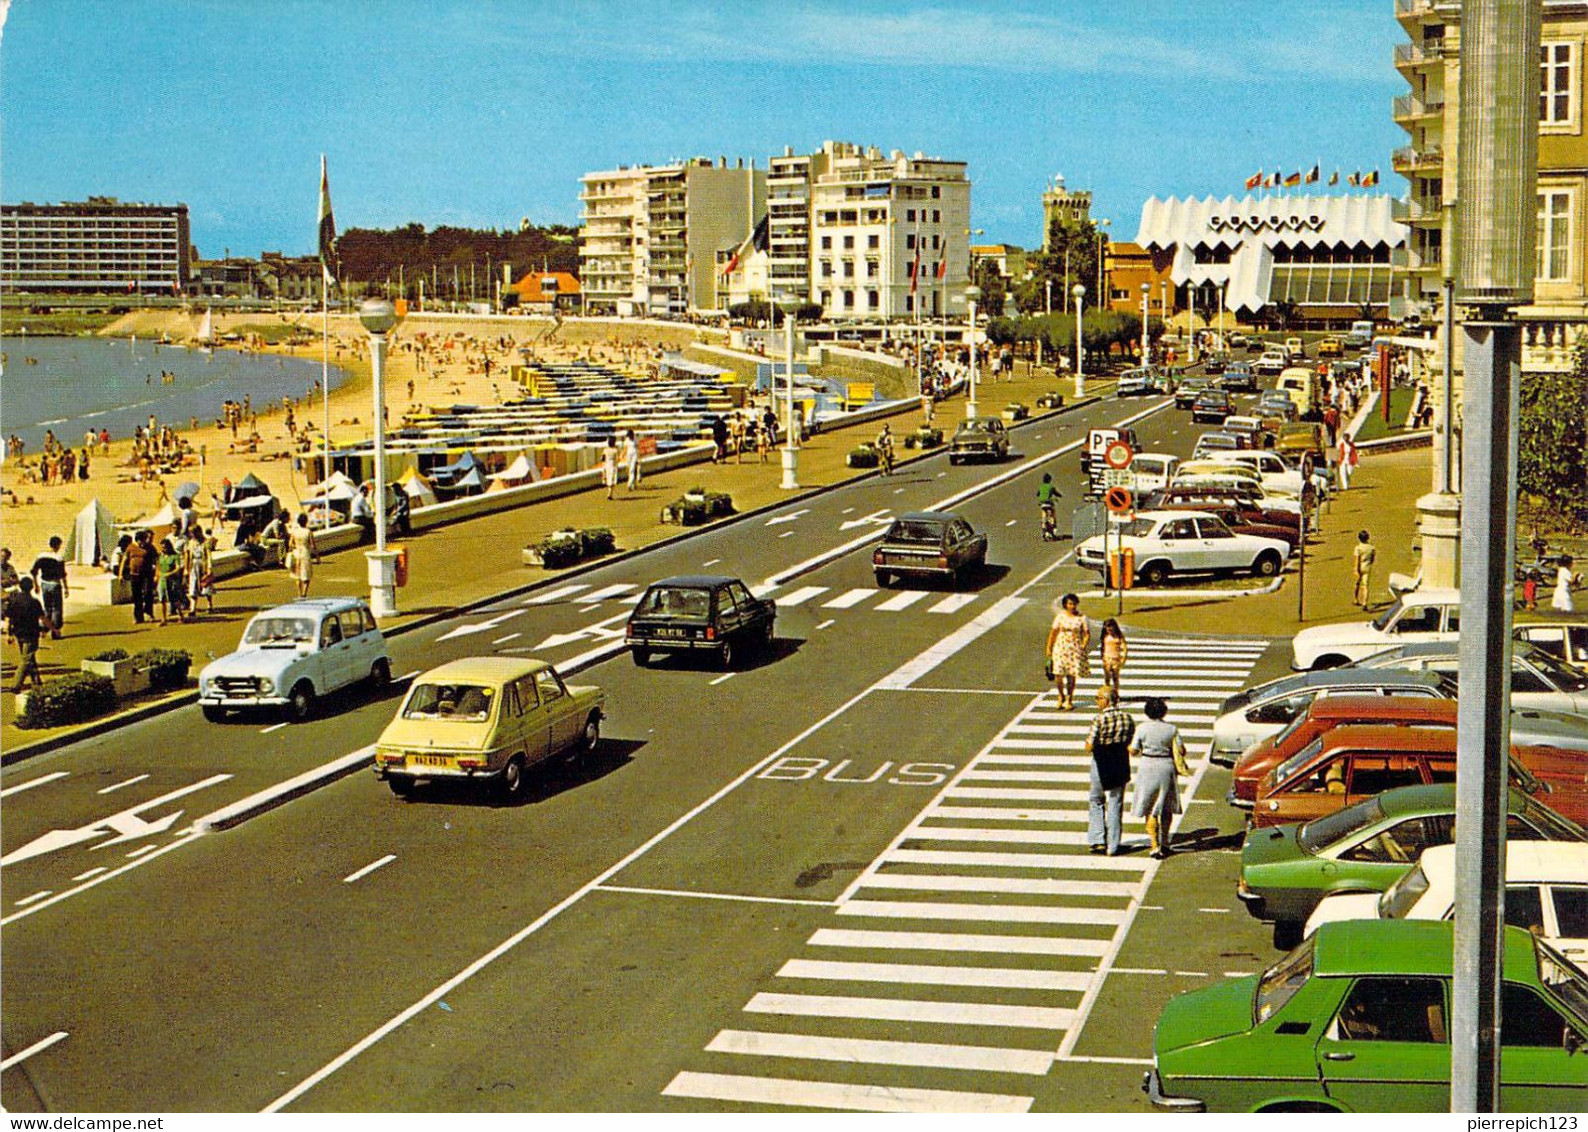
116, 872
996, 913
713, 562
26, 900
828, 1095
59, 1035
789, 518
141, 850
591, 606
846, 511
1069, 862
369, 868
126, 825
786, 534
711, 895
119, 785
32, 782
479, 626
1031, 886
509, 637
1215, 911
940, 475
953, 603
993, 1059
958, 941
901, 601
908, 1010
1011, 522
605, 592
919, 974
761, 589
726, 676
898, 491
913, 670
826, 624
848, 598
558, 594
800, 596
272, 727
90, 873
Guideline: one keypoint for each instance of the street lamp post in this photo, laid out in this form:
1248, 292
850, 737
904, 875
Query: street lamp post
1191, 323
791, 455
972, 297
1079, 291
1102, 244
379, 317
1146, 289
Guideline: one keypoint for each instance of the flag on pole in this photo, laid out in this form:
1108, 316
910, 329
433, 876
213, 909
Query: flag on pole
1354, 179
1254, 180
327, 227
758, 240
942, 260
1370, 179
1314, 173
915, 265
1293, 180
1334, 178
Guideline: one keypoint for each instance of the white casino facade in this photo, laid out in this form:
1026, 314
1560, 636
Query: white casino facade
1328, 255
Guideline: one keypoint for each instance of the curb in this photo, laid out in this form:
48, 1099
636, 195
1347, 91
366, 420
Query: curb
148, 711
1420, 439
1171, 594
282, 792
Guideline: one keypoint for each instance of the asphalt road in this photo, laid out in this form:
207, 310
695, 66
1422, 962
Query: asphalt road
846, 875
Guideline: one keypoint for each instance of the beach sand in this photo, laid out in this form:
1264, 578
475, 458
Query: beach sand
441, 375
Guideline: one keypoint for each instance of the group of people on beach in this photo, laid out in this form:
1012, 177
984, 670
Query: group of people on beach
58, 464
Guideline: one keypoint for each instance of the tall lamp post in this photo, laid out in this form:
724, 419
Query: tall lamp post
379, 317
1146, 289
972, 297
791, 456
1102, 244
1079, 291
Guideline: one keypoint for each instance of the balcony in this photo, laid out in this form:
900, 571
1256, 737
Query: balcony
1408, 108
1413, 10
1415, 210
1409, 158
1410, 56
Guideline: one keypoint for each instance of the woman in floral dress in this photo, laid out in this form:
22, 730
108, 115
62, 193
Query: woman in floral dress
1068, 641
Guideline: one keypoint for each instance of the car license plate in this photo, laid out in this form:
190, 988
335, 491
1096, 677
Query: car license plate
672, 633
429, 760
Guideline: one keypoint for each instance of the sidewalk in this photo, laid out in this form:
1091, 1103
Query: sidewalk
475, 559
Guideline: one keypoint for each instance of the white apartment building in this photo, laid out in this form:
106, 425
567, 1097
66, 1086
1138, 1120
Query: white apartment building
650, 234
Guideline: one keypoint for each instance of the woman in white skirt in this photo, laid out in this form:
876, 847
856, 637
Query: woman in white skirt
1565, 580
1160, 760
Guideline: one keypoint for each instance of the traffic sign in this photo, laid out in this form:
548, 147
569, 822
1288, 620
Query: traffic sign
1119, 477
1118, 454
1118, 500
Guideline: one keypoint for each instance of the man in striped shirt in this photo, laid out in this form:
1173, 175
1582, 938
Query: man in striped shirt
1108, 744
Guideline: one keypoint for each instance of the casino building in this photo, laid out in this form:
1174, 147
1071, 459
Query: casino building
1327, 255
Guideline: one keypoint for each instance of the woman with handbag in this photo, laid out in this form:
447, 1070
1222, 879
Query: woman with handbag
1161, 760
1068, 641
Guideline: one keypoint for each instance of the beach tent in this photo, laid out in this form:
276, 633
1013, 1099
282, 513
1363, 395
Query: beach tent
247, 503
452, 475
418, 489
249, 485
186, 490
92, 535
471, 481
335, 492
519, 471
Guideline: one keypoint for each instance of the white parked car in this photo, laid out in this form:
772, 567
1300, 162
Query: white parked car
1183, 542
292, 655
1422, 615
1546, 891
1264, 711
1276, 475
1153, 471
1539, 678
1272, 362
1210, 472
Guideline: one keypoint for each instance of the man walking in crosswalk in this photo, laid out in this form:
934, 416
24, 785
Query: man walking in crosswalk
1108, 744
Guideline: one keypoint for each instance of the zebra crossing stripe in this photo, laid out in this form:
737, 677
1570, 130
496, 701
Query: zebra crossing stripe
995, 913
1072, 816
556, 595
1030, 794
761, 589
952, 603
608, 591
1025, 836
1068, 862
902, 601
845, 600
1027, 775
800, 596
912, 1010
1027, 886
923, 975
958, 941
830, 1095
928, 1055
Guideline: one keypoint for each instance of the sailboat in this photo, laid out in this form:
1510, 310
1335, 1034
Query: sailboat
206, 334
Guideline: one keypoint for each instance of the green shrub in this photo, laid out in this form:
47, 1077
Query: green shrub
597, 541
109, 655
68, 699
863, 456
926, 437
719, 503
168, 668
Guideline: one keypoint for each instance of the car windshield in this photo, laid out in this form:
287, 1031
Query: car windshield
1280, 983
1569, 984
915, 530
1557, 671
459, 703
1383, 619
977, 426
1549, 823
675, 601
1278, 741
274, 630
1398, 898
1138, 528
1298, 760
1316, 836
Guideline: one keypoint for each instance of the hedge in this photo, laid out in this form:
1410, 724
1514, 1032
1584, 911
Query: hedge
109, 656
68, 699
168, 668
863, 456
566, 547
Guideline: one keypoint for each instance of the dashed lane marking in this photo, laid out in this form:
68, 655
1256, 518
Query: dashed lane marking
128, 782
32, 782
36, 1047
369, 868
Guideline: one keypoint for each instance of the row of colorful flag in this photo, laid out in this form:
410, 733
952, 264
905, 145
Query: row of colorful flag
1276, 179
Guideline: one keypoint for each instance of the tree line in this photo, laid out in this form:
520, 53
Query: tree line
447, 255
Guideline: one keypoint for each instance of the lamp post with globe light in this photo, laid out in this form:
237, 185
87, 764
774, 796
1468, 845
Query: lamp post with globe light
379, 316
789, 304
1146, 289
1079, 291
972, 297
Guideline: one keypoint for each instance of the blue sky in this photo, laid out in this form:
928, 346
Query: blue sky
479, 113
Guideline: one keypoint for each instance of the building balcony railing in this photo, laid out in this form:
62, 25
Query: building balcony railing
1409, 158
1413, 210
1407, 107
1414, 55
1413, 9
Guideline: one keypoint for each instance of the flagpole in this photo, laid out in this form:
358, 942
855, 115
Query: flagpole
325, 361
915, 293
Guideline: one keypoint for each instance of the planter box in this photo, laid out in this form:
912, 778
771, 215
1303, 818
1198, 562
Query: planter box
1051, 401
125, 674
1015, 411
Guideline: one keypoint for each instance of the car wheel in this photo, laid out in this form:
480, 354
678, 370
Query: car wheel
214, 714
1153, 575
1287, 933
953, 459
401, 786
590, 738
883, 579
768, 635
725, 655
512, 781
300, 705
380, 673
642, 657
1330, 660
1266, 566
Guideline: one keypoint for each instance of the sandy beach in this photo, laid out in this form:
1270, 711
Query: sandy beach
442, 360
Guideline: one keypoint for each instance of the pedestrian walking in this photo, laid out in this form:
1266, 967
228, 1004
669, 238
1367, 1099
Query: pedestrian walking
885, 449
609, 468
631, 460
736, 431
1108, 745
168, 567
49, 574
198, 569
301, 553
8, 572
1113, 653
1068, 640
719, 439
1347, 461
1161, 760
1565, 582
25, 622
1362, 558
138, 567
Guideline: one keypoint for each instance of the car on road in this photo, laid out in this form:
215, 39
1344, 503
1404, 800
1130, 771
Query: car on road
1360, 334
1210, 443
487, 720
1422, 615
1302, 438
1287, 869
1275, 474
929, 544
1250, 429
1546, 893
1271, 403
1152, 471
1194, 495
1186, 393
1166, 543
1272, 362
980, 438
1294, 348
699, 613
1330, 348
293, 655
1300, 384
1358, 1019
1265, 710
1138, 382
1215, 363
1238, 378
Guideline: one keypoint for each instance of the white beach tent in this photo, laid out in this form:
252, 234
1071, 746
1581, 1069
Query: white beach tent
519, 471
92, 535
418, 489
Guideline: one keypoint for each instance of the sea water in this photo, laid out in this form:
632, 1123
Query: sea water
72, 384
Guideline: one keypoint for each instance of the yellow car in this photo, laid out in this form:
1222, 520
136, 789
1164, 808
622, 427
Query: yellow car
486, 719
1330, 348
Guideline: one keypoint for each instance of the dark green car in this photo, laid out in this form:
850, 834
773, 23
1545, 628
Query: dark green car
1357, 1019
1287, 869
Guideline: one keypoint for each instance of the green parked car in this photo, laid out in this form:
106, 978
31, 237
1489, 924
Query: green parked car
1287, 869
1357, 1019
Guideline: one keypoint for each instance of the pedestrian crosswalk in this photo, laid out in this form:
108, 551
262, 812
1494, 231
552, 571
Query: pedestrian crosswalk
786, 596
964, 959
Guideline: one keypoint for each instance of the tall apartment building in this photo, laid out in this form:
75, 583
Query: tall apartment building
1063, 207
1430, 111
650, 234
95, 245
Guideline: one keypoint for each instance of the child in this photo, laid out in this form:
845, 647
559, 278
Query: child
1530, 590
1113, 646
